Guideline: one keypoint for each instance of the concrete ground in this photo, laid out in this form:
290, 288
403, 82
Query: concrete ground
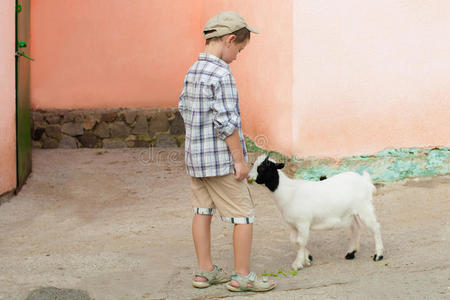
117, 224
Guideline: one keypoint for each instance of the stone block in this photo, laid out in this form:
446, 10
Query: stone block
177, 124
180, 140
36, 144
131, 137
97, 117
38, 130
159, 123
102, 130
53, 131
113, 144
49, 143
37, 116
141, 126
120, 130
130, 141
130, 116
53, 118
68, 142
89, 140
141, 144
148, 113
165, 140
73, 116
72, 129
143, 140
89, 122
170, 115
144, 137
108, 116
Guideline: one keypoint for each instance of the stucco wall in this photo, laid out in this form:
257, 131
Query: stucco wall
104, 54
263, 71
324, 78
111, 53
370, 75
7, 104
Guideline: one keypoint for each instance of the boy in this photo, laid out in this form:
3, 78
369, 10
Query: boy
216, 155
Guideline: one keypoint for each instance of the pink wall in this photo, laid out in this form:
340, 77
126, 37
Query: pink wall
7, 104
324, 78
263, 70
102, 54
370, 75
111, 53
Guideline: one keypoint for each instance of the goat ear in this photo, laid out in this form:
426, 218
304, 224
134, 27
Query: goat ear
279, 166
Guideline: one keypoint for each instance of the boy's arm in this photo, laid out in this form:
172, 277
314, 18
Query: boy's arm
240, 166
181, 103
226, 123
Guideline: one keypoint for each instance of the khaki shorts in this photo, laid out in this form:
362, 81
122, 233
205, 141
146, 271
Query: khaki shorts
230, 197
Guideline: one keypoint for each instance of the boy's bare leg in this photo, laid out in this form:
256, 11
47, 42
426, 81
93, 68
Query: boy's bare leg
242, 242
201, 232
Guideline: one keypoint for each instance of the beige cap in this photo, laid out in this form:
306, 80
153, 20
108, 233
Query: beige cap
225, 23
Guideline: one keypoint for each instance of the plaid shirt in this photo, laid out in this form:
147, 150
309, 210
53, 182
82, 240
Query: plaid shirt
209, 105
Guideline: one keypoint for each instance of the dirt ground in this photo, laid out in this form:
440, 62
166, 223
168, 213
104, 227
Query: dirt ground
117, 224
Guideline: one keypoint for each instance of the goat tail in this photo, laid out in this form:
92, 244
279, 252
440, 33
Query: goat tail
368, 180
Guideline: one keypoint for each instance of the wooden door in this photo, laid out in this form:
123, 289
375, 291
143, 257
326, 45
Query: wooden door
23, 113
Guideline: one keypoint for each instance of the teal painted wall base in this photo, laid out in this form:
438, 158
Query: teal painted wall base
387, 165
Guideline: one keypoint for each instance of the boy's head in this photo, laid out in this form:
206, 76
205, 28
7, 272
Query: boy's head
229, 32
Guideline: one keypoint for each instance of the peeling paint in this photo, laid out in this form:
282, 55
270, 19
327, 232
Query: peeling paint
384, 166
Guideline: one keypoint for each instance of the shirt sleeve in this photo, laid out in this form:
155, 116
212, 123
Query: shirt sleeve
225, 107
181, 103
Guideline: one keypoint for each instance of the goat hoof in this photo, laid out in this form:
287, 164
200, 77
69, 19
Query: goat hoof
377, 258
350, 255
310, 257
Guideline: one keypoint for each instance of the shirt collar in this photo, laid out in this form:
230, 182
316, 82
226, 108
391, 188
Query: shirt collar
213, 59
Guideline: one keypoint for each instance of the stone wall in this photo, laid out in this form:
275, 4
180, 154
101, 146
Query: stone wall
107, 128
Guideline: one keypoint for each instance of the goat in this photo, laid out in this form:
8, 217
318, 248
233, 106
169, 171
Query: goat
343, 200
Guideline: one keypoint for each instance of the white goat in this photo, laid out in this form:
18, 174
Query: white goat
340, 201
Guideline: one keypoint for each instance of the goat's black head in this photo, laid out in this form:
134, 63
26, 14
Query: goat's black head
266, 172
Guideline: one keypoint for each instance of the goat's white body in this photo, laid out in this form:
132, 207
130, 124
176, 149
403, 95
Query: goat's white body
343, 200
324, 204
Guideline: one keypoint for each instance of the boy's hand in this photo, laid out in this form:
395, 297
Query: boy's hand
240, 170
240, 166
